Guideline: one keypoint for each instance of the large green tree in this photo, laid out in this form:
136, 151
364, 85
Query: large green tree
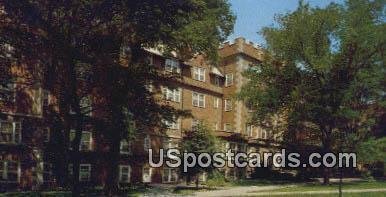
60, 36
324, 70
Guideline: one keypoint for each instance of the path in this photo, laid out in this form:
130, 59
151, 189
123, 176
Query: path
261, 191
239, 190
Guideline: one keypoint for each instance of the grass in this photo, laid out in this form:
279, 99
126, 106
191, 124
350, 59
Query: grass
318, 187
365, 194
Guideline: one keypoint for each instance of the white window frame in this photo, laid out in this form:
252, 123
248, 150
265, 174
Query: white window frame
84, 176
195, 122
228, 79
216, 126
216, 102
147, 143
199, 73
172, 94
10, 89
217, 81
15, 133
85, 104
149, 175
123, 143
150, 59
88, 143
128, 174
262, 134
228, 105
5, 172
172, 125
172, 65
198, 100
169, 143
234, 149
227, 127
203, 177
46, 172
46, 101
249, 129
170, 173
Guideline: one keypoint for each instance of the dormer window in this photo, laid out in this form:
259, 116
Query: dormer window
172, 66
199, 73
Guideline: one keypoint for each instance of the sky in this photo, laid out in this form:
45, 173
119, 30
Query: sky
252, 15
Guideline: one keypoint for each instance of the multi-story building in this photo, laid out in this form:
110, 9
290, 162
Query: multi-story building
207, 91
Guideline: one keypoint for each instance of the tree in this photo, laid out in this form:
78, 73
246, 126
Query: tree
372, 150
198, 140
110, 36
324, 69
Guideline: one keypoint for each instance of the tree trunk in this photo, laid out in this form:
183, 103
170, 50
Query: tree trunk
117, 127
197, 181
326, 140
112, 182
326, 176
340, 182
75, 104
188, 179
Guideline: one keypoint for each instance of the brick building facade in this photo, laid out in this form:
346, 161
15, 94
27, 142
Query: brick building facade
207, 91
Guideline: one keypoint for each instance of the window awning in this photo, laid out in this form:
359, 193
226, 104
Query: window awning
216, 71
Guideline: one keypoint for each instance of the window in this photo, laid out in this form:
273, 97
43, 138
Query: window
8, 92
146, 143
227, 127
84, 172
233, 147
125, 147
172, 94
199, 73
198, 100
150, 59
216, 102
172, 65
217, 81
172, 124
86, 105
169, 175
262, 134
149, 87
203, 177
10, 132
46, 134
228, 105
169, 143
243, 148
9, 171
124, 173
229, 79
46, 169
46, 98
195, 123
215, 126
85, 141
249, 129
146, 174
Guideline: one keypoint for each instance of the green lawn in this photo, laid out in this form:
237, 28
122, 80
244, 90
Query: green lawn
311, 187
366, 194
319, 187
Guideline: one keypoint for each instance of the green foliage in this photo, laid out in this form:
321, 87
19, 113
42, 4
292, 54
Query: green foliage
96, 47
216, 179
324, 70
372, 150
199, 140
